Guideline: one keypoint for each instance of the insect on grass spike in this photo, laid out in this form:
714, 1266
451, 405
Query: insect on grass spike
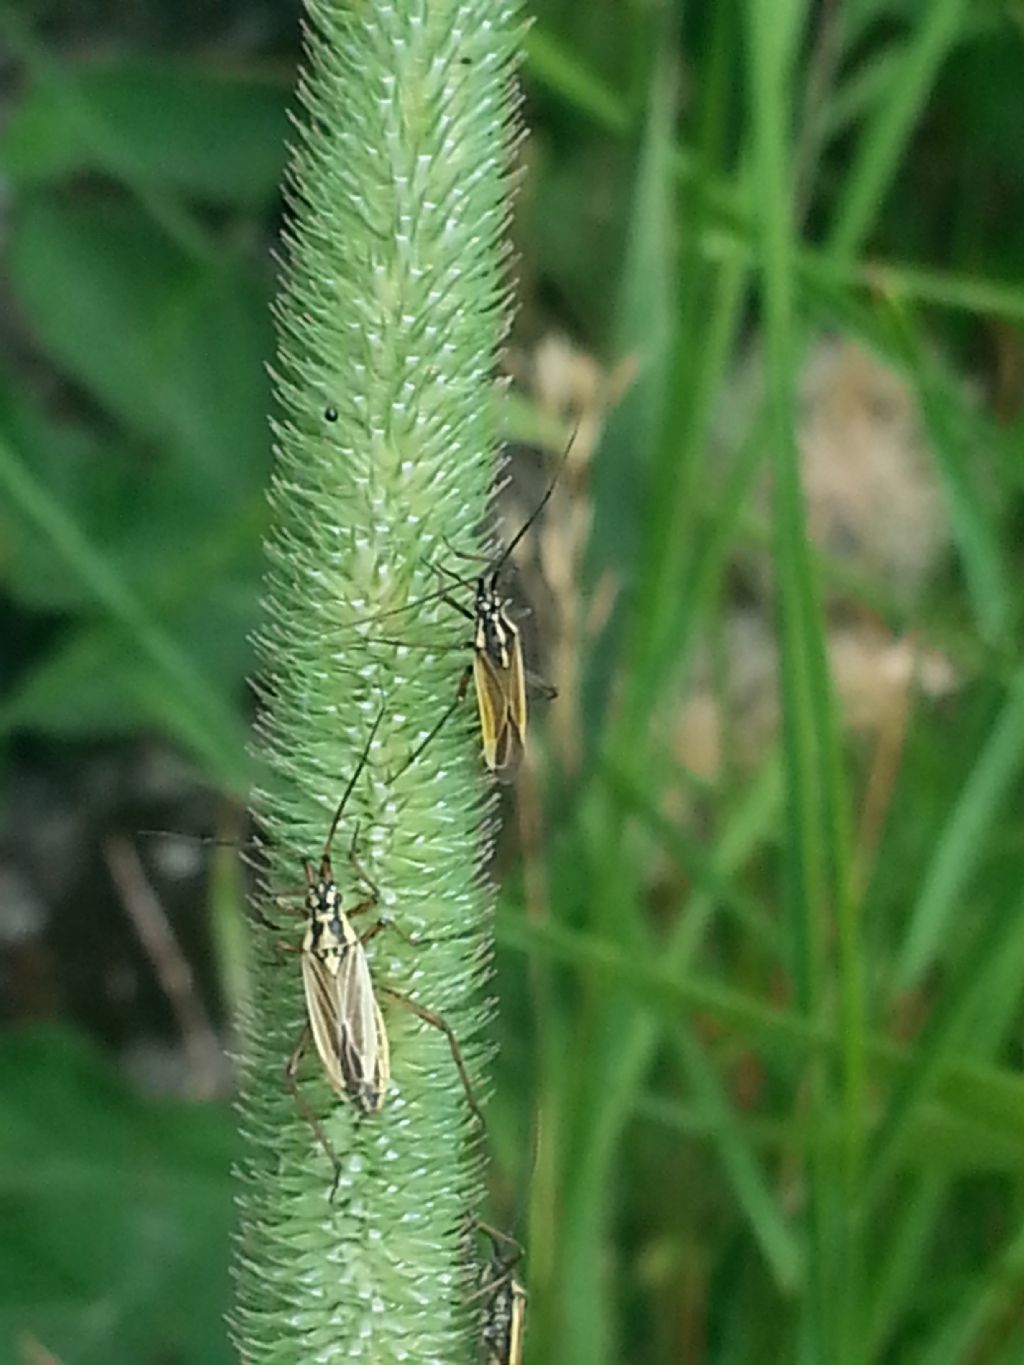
343, 1015
503, 1299
497, 671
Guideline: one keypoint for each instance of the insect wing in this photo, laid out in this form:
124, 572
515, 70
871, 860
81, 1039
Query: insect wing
347, 1026
501, 699
517, 1325
517, 689
504, 1321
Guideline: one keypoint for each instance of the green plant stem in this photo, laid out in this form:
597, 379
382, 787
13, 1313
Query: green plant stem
391, 309
817, 860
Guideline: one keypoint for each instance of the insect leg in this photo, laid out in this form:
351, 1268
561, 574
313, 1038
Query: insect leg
463, 554
263, 920
287, 900
291, 1080
502, 1268
496, 1236
460, 695
489, 1286
540, 687
363, 876
427, 644
435, 1020
458, 606
412, 939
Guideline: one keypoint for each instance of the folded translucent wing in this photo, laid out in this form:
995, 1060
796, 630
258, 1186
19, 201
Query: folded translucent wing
347, 1027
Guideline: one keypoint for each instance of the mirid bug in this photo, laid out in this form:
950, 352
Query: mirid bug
342, 1010
343, 1015
497, 670
503, 1301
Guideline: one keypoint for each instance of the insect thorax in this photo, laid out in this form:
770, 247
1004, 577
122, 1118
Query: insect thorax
329, 935
495, 633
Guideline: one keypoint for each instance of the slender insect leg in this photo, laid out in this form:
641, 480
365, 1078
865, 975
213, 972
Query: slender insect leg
374, 929
460, 696
288, 900
540, 687
507, 1266
464, 554
458, 606
363, 876
262, 920
496, 1235
282, 946
285, 901
413, 940
488, 1287
461, 647
370, 903
291, 1080
435, 1020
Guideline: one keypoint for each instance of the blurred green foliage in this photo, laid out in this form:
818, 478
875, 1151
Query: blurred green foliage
117, 1213
760, 1064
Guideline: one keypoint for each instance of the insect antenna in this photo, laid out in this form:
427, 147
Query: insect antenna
467, 581
435, 596
437, 727
363, 757
504, 556
207, 840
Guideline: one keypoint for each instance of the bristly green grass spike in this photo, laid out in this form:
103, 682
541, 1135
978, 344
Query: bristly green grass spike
392, 307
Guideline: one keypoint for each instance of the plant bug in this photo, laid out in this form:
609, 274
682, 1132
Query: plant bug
343, 1015
342, 1012
503, 1296
497, 670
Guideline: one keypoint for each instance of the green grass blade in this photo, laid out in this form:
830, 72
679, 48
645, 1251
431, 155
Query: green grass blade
780, 1246
962, 841
910, 282
626, 1059
965, 1088
907, 281
949, 429
668, 621
923, 1198
942, 1034
552, 64
103, 139
646, 320
713, 885
816, 853
955, 1146
218, 735
991, 1299
885, 139
909, 1236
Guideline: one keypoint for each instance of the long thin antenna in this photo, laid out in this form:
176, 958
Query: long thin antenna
540, 506
351, 784
466, 582
495, 565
